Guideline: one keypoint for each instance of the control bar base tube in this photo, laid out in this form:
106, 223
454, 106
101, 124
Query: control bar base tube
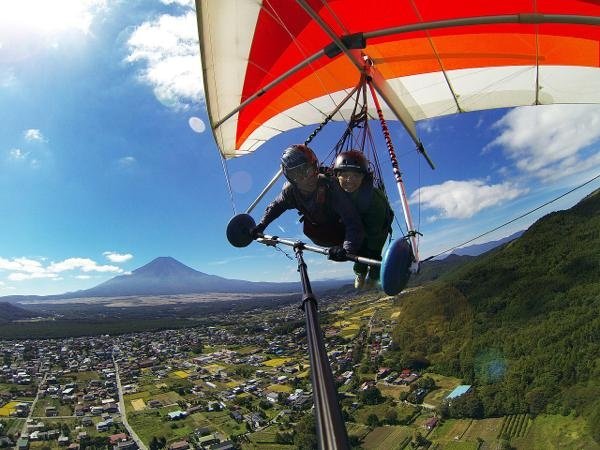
274, 240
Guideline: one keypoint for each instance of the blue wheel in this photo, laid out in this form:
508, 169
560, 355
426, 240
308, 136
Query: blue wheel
395, 267
238, 230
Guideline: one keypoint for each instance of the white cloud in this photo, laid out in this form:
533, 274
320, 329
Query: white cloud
546, 141
84, 264
462, 199
20, 276
45, 17
83, 277
188, 3
34, 135
117, 257
17, 154
126, 162
168, 48
21, 265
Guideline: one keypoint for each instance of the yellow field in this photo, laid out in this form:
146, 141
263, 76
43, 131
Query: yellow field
8, 408
181, 374
279, 388
213, 368
232, 384
276, 362
395, 315
138, 404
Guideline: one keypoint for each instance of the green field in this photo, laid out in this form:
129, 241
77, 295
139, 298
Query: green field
556, 432
389, 437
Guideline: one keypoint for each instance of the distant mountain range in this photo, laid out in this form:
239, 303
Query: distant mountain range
478, 249
9, 312
167, 276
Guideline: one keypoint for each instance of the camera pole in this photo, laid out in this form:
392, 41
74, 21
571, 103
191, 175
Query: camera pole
331, 430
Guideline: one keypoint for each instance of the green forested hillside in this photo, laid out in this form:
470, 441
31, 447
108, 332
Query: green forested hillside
521, 323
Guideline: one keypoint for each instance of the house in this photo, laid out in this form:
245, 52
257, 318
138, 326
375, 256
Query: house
458, 391
431, 423
273, 397
63, 441
51, 411
225, 445
179, 445
22, 444
102, 426
205, 441
176, 415
115, 438
237, 416
202, 431
87, 421
126, 445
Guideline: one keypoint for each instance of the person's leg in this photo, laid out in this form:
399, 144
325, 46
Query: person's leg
360, 271
373, 250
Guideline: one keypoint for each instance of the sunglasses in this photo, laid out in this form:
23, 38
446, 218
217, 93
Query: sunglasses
299, 173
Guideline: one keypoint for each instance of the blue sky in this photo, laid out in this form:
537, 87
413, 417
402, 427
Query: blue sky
107, 161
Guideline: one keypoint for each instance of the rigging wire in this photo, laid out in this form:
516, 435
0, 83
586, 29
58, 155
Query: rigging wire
228, 181
516, 218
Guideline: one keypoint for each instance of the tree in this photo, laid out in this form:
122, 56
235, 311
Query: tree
391, 416
373, 420
594, 422
371, 396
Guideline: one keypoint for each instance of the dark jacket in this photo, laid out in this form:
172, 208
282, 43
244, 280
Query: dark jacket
326, 207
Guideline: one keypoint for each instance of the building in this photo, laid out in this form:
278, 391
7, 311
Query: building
458, 391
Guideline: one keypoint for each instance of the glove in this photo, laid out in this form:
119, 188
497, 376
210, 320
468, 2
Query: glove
337, 253
258, 229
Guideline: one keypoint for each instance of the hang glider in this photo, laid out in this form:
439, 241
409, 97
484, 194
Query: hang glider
273, 65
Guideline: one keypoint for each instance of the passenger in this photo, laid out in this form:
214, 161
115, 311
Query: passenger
351, 169
328, 216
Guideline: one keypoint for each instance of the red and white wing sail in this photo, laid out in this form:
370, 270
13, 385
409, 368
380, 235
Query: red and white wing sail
273, 65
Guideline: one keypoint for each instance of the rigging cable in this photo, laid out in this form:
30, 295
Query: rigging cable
516, 218
228, 180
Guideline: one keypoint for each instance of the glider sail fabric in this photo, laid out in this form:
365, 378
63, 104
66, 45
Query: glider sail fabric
273, 65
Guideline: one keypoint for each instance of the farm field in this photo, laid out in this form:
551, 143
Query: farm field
7, 409
546, 432
388, 437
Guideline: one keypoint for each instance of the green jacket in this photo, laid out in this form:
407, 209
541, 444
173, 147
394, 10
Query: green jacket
375, 213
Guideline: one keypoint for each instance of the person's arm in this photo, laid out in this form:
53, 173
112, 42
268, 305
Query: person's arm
283, 202
350, 217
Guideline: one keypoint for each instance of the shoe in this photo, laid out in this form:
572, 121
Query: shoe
359, 281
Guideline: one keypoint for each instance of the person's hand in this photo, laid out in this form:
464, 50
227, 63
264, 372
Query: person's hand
337, 253
257, 230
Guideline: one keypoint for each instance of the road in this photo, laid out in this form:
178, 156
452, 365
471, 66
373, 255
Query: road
123, 411
30, 415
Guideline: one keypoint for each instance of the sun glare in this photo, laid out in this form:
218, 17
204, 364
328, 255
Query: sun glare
49, 16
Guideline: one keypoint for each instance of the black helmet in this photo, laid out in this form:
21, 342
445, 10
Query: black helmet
353, 160
298, 159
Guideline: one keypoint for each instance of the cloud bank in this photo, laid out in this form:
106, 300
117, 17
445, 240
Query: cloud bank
169, 52
463, 199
